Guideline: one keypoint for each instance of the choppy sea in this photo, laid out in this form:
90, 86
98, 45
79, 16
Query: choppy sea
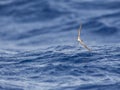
39, 48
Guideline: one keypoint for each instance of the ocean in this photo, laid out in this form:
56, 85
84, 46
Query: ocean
39, 48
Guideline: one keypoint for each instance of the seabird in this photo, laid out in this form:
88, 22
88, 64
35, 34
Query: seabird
80, 40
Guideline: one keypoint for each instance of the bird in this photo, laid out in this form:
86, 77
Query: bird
80, 40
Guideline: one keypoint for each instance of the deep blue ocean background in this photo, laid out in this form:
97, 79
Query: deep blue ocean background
39, 48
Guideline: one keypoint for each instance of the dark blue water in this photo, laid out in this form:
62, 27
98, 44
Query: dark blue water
39, 48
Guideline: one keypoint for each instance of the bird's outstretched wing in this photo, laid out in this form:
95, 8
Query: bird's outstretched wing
79, 30
80, 40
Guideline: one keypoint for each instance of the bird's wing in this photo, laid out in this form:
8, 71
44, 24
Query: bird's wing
80, 40
83, 44
79, 30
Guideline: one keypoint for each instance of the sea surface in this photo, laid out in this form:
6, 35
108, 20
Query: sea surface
39, 48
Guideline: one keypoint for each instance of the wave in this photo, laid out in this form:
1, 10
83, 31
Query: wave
61, 66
